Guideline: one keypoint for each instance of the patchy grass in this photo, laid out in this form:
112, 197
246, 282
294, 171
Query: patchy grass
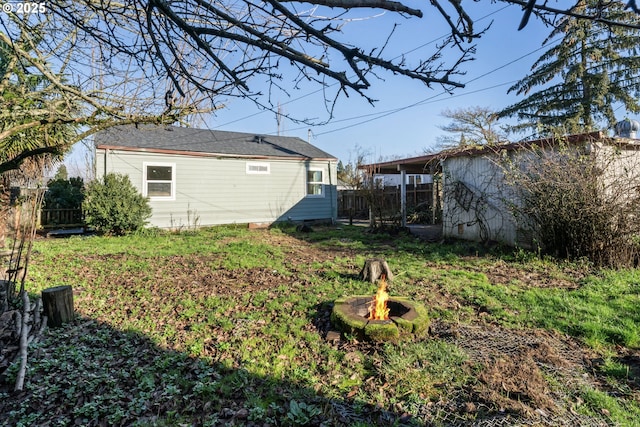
226, 326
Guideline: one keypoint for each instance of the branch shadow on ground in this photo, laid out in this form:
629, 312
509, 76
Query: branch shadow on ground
88, 373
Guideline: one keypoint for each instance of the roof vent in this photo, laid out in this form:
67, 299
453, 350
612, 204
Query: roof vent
627, 128
258, 139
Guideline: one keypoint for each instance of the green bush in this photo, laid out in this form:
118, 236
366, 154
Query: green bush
114, 206
64, 193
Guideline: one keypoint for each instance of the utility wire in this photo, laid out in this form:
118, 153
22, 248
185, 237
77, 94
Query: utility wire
435, 40
433, 99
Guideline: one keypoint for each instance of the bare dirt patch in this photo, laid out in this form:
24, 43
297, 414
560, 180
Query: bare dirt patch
523, 376
514, 367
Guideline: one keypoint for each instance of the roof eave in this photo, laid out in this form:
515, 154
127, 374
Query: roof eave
415, 164
206, 154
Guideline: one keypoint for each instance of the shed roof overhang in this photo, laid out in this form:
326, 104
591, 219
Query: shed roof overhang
420, 164
431, 162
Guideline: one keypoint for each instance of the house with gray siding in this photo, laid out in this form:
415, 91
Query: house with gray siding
201, 177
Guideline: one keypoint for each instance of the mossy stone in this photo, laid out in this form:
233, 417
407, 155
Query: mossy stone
345, 322
421, 322
405, 326
382, 331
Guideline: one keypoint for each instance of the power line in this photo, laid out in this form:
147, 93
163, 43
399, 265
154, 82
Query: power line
416, 104
435, 40
432, 99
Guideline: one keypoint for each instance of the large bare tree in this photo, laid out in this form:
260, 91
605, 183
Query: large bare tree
471, 125
102, 63
56, 92
222, 48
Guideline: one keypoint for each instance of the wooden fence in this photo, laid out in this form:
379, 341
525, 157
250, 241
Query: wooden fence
61, 218
355, 203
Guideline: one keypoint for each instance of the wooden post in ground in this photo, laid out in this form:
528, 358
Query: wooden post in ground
58, 305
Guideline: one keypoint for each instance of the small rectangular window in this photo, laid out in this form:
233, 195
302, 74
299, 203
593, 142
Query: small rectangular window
314, 183
159, 181
255, 168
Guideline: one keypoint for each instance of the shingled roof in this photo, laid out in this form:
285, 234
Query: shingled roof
180, 140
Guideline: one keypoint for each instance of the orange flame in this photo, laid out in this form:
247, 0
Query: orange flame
378, 309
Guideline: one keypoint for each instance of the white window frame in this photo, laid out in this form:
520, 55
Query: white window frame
145, 181
321, 183
259, 165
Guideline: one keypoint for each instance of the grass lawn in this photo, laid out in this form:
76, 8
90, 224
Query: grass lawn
228, 326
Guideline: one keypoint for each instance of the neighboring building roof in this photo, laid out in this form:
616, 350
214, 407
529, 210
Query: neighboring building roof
422, 164
180, 140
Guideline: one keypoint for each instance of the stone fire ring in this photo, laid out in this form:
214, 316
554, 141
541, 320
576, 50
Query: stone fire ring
406, 318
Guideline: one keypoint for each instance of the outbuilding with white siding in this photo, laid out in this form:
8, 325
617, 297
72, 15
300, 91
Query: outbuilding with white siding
475, 198
201, 177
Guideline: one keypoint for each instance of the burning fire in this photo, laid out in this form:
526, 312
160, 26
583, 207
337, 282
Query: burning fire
378, 309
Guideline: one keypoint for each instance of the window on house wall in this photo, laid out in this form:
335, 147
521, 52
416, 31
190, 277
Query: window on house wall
315, 183
258, 168
159, 181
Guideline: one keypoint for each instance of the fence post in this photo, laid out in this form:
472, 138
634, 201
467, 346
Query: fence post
403, 197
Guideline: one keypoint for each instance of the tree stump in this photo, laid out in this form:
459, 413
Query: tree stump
374, 268
58, 305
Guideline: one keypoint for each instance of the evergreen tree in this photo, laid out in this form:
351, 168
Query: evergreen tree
61, 173
64, 193
29, 99
594, 67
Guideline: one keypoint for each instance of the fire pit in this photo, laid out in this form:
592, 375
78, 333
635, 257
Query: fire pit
379, 318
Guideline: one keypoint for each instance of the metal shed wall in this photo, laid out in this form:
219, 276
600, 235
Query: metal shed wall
475, 201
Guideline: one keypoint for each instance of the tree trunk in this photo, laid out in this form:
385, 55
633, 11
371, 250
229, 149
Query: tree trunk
374, 268
58, 305
4, 295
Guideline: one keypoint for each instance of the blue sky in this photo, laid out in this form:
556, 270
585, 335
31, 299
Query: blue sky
405, 119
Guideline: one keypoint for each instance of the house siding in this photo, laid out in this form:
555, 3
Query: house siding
213, 190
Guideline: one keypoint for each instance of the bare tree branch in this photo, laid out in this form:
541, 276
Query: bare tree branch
242, 40
55, 93
392, 6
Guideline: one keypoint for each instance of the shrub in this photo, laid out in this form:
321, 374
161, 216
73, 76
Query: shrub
114, 206
580, 203
64, 193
